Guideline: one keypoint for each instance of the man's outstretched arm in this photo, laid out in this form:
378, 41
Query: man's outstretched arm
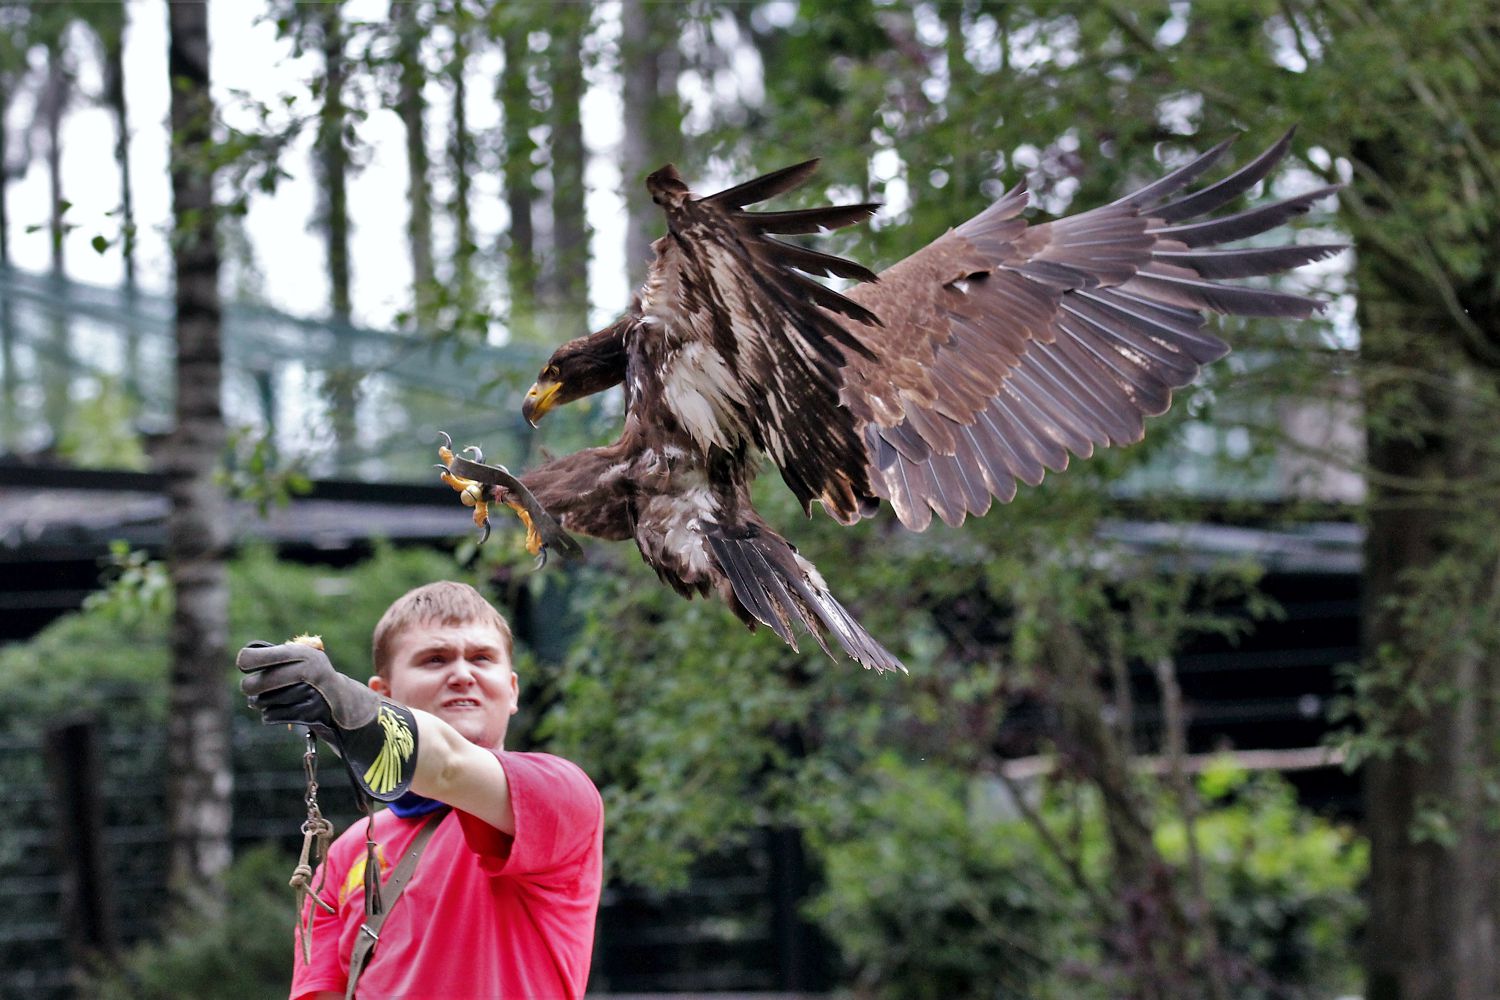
462, 774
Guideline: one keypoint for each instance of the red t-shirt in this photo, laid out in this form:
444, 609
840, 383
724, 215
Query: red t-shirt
486, 915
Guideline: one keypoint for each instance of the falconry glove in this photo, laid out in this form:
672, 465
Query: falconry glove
295, 683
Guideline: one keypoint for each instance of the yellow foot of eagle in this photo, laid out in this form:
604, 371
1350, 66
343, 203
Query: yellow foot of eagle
478, 485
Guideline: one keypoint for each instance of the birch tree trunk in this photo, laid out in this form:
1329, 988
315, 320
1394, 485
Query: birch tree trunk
200, 779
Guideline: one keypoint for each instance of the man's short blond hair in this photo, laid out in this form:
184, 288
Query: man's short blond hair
445, 603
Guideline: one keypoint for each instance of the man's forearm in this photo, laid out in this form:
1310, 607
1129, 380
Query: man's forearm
451, 769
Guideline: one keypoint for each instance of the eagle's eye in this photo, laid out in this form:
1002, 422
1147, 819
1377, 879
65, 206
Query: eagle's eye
550, 373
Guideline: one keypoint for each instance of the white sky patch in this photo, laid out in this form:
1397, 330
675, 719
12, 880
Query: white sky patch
1180, 113
982, 44
1044, 42
288, 254
888, 170
1174, 28
1288, 43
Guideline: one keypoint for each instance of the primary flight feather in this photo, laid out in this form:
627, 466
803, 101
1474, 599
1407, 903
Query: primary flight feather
985, 358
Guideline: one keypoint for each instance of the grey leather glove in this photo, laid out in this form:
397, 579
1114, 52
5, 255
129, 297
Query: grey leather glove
295, 683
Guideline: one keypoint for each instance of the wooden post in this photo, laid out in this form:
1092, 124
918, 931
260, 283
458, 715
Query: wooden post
73, 774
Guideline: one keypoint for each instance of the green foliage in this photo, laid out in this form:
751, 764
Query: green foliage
929, 901
242, 956
252, 472
937, 888
100, 432
112, 656
1284, 883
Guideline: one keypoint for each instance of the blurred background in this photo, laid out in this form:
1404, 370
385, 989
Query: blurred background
1210, 716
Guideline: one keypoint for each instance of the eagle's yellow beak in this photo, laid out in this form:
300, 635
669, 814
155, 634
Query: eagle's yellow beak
540, 398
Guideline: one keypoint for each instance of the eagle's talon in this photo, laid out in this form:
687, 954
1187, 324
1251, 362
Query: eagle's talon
473, 493
541, 558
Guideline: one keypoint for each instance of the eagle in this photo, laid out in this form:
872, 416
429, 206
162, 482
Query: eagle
984, 359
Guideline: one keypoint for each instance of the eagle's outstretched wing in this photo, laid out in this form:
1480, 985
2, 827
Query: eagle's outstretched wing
1004, 347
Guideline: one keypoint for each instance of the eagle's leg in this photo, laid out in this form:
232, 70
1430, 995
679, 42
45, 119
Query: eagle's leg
479, 496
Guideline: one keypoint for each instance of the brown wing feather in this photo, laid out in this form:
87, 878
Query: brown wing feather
1005, 348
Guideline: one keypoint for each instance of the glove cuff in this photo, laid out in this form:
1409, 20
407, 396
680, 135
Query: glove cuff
381, 755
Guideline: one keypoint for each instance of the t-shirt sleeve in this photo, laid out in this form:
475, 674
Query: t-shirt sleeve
558, 812
326, 971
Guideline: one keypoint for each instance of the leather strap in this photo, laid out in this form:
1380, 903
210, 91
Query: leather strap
369, 931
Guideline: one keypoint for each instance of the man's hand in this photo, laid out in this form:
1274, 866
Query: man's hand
295, 683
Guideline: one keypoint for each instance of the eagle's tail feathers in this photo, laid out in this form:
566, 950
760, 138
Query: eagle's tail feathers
770, 583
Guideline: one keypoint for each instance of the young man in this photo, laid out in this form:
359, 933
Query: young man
503, 899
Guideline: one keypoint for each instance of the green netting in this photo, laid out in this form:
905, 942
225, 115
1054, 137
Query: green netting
86, 377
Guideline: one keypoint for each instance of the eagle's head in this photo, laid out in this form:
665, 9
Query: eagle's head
579, 368
667, 188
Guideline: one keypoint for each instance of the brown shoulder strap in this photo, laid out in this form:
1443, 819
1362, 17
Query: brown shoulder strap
369, 931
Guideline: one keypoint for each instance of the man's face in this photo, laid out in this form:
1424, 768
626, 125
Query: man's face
460, 673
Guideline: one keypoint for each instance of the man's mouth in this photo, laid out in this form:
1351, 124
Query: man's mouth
461, 703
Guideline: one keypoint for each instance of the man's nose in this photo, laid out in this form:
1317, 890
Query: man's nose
461, 673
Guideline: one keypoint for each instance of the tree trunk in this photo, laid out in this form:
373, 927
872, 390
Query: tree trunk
1433, 905
1434, 887
520, 187
4, 175
1154, 938
54, 100
333, 159
200, 778
55, 370
653, 119
570, 250
341, 385
1431, 588
461, 158
412, 109
114, 94
9, 384
113, 39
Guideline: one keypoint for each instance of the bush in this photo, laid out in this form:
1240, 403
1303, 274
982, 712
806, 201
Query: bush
929, 902
1284, 883
244, 956
931, 891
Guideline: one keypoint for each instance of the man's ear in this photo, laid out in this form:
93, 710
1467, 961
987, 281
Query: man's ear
515, 693
380, 686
